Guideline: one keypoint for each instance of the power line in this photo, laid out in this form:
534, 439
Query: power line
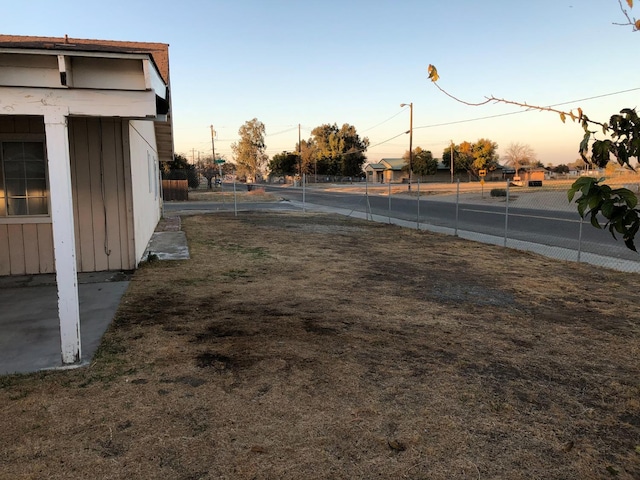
384, 121
388, 140
527, 110
280, 133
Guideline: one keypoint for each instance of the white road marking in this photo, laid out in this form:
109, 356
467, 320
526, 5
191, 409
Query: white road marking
521, 215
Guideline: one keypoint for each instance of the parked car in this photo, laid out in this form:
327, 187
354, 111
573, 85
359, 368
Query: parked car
516, 181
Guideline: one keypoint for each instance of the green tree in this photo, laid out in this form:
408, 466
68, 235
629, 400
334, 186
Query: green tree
180, 169
309, 157
339, 151
285, 163
249, 152
462, 157
423, 162
471, 157
561, 168
485, 155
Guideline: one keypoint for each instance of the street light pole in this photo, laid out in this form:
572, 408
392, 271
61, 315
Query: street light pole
410, 132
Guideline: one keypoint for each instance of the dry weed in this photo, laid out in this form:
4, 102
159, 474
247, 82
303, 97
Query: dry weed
309, 346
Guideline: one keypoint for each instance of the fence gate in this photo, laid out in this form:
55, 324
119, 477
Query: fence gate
175, 189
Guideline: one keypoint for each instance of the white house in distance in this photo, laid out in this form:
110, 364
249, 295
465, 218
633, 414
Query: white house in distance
83, 125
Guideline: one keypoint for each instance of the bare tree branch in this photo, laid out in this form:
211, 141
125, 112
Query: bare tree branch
635, 24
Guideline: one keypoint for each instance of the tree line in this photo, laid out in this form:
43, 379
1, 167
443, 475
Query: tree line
330, 150
340, 151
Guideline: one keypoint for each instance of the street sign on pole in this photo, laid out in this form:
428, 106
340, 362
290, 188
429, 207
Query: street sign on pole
219, 160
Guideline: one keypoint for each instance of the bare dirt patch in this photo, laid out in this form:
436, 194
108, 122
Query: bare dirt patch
311, 346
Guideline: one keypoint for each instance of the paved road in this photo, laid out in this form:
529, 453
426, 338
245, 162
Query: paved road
557, 228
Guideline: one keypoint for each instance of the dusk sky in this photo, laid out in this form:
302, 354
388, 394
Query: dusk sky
309, 63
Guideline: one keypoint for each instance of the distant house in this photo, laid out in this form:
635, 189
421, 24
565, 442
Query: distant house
387, 170
83, 125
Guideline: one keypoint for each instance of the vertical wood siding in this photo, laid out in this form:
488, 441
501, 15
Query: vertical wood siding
26, 248
103, 228
103, 241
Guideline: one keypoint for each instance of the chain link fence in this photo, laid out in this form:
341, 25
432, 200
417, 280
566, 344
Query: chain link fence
538, 218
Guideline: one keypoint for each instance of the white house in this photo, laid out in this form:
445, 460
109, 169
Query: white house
83, 125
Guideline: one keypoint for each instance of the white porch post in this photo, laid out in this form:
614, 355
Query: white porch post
57, 138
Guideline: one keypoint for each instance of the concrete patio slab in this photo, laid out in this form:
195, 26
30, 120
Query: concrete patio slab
29, 326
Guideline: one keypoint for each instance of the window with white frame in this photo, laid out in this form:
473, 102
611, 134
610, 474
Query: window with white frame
23, 178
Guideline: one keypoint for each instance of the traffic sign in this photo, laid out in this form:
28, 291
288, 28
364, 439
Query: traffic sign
219, 160
482, 173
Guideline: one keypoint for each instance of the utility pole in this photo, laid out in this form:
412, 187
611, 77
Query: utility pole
213, 146
410, 143
193, 155
410, 132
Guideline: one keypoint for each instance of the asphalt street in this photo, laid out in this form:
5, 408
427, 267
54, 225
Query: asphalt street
558, 228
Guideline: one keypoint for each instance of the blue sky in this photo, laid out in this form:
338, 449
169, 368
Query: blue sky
309, 63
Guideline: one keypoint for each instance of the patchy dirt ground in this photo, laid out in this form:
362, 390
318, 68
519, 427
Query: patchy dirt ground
299, 346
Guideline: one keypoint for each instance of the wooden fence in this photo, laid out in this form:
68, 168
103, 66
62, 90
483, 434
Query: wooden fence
175, 189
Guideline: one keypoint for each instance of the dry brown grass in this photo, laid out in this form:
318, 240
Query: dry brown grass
257, 194
299, 346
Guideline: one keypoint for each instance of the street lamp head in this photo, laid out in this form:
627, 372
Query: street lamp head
406, 104
403, 105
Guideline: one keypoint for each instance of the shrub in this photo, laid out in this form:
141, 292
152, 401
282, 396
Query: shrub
498, 192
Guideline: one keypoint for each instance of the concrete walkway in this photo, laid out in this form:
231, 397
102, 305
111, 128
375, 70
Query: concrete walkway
29, 325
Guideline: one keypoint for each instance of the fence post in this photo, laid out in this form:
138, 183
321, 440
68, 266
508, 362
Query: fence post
389, 202
366, 195
455, 234
304, 193
506, 216
418, 216
235, 198
580, 240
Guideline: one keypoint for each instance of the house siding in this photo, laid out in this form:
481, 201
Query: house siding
102, 230
145, 184
26, 243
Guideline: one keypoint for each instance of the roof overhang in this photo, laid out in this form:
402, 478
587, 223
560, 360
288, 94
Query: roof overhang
88, 80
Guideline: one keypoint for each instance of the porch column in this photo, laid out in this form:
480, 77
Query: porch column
57, 138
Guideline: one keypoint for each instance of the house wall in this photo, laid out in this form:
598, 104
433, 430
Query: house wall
100, 195
395, 176
116, 197
145, 185
26, 243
